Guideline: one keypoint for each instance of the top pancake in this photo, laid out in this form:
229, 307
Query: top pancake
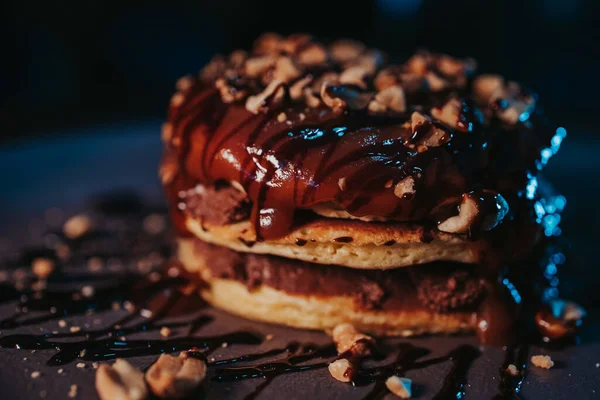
297, 125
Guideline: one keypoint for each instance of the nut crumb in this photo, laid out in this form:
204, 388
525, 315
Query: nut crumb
401, 387
512, 370
80, 365
88, 291
542, 361
77, 226
62, 323
60, 371
42, 267
75, 329
281, 117
72, 391
35, 374
269, 336
165, 331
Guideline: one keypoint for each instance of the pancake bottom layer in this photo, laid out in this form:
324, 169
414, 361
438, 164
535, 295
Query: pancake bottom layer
303, 295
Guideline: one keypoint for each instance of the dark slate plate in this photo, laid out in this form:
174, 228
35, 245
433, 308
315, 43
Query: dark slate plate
65, 171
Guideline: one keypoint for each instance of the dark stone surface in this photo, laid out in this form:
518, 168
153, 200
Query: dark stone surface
65, 171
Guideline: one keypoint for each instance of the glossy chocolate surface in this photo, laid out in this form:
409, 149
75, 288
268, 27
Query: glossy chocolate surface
291, 156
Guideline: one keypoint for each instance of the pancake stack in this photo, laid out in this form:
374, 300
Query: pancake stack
316, 184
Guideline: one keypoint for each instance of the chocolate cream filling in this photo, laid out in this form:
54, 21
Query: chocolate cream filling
437, 287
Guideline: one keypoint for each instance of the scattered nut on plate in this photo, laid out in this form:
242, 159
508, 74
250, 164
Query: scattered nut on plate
120, 381
175, 377
401, 387
542, 361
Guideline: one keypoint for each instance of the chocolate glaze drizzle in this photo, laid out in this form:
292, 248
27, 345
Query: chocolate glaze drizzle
351, 159
155, 300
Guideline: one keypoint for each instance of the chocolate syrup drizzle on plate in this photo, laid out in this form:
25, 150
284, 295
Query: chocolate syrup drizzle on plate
153, 302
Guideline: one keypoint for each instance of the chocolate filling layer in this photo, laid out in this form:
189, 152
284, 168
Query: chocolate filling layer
437, 287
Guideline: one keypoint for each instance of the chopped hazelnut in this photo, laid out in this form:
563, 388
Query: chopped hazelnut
391, 98
120, 381
177, 99
237, 58
285, 70
345, 50
72, 392
311, 100
165, 331
339, 98
268, 43
450, 114
435, 136
313, 54
292, 43
485, 85
541, 361
354, 75
77, 226
339, 370
257, 66
297, 89
258, 103
512, 370
35, 374
75, 329
418, 63
184, 83
175, 377
346, 338
401, 387
88, 291
385, 78
229, 94
42, 267
435, 83
166, 132
449, 66
405, 188
332, 102
460, 223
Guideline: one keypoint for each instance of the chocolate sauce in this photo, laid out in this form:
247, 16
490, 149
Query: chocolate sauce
286, 169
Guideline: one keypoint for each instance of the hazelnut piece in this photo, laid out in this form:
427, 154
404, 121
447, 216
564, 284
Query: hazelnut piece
120, 381
175, 377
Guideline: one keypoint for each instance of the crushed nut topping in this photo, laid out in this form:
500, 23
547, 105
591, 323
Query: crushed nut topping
347, 76
389, 99
270, 97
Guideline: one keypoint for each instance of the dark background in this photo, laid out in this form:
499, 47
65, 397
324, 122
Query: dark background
72, 63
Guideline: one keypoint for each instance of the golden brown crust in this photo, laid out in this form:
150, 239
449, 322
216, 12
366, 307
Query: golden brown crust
359, 244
